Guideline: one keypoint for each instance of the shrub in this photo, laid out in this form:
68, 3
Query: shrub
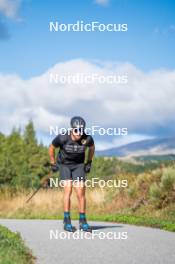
155, 191
168, 179
132, 191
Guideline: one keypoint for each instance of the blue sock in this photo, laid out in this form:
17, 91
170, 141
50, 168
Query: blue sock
82, 216
66, 214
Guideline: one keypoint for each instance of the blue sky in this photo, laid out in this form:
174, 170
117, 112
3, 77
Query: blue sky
28, 51
32, 49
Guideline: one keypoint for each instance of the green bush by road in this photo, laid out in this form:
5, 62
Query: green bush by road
12, 248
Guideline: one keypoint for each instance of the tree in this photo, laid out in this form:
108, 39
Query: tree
22, 160
29, 134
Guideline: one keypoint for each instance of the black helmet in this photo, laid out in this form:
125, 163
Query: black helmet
78, 122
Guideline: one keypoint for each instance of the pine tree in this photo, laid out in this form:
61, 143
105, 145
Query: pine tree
29, 134
22, 160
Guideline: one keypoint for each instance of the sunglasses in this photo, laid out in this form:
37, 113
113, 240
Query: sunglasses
78, 130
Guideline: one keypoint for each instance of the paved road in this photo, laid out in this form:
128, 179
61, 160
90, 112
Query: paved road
108, 244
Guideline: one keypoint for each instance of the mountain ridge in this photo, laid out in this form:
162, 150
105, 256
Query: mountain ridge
157, 146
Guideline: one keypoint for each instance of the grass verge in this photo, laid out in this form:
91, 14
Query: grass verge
13, 249
119, 218
136, 220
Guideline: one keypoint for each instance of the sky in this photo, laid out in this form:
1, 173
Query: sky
29, 52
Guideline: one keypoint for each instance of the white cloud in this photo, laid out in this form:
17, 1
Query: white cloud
143, 105
9, 8
102, 2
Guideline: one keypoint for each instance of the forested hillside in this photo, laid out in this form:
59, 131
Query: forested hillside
23, 162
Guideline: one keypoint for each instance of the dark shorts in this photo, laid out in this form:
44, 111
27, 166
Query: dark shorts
72, 172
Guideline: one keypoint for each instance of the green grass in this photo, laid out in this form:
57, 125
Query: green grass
168, 225
137, 220
12, 248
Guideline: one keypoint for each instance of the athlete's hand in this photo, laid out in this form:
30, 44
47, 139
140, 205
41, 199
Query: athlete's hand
46, 183
54, 167
87, 166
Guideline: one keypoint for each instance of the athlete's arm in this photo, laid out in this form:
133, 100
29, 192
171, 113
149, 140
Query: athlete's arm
52, 154
88, 164
56, 143
91, 152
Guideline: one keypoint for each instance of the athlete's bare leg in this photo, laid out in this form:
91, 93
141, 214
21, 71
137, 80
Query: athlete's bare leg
80, 192
67, 195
